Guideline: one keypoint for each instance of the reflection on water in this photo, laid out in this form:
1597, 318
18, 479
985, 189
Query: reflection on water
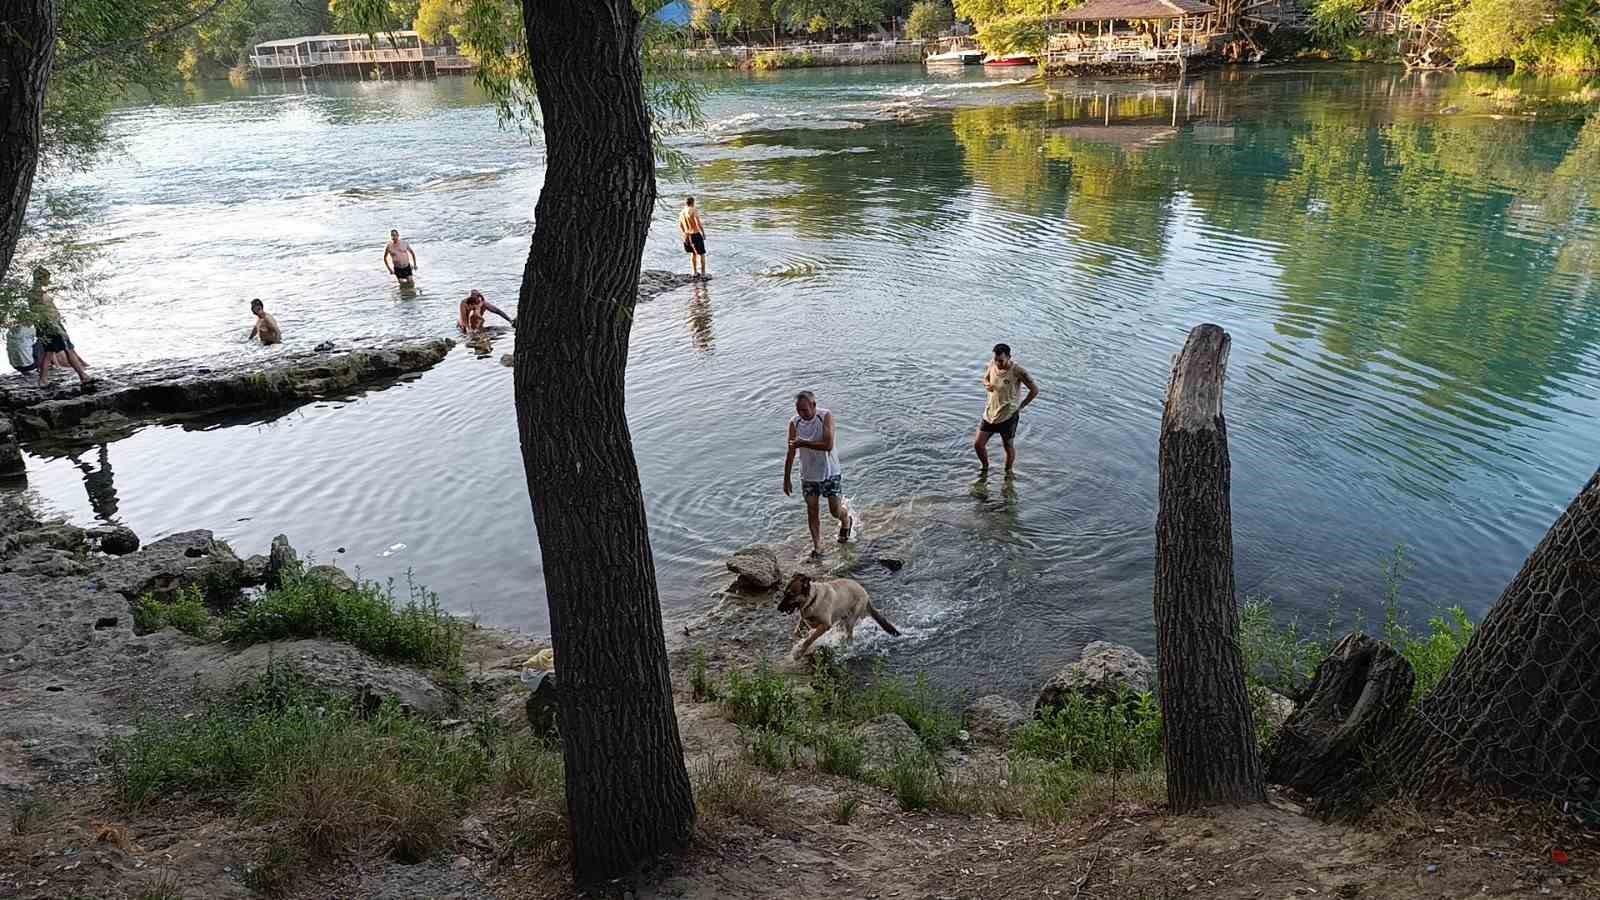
1409, 274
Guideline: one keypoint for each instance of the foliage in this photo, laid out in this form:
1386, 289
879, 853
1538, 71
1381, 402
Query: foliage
844, 809
700, 684
809, 16
929, 19
783, 59
329, 775
304, 606
932, 716
1282, 657
761, 700
1337, 22
1094, 736
186, 612
1012, 26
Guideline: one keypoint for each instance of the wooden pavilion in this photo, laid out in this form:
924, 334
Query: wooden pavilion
1105, 36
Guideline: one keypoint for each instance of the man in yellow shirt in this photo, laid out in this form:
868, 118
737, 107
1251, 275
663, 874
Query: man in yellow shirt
694, 237
1004, 380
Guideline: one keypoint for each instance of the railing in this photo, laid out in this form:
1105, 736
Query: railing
330, 57
1104, 54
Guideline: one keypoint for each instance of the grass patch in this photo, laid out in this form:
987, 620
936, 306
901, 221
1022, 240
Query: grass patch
844, 809
31, 813
930, 714
166, 886
186, 612
417, 631
330, 775
700, 683
1093, 736
839, 753
768, 749
727, 789
762, 699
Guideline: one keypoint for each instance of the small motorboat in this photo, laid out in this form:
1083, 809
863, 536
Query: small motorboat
1011, 59
954, 58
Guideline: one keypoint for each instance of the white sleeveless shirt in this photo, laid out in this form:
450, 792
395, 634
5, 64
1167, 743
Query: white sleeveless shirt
815, 465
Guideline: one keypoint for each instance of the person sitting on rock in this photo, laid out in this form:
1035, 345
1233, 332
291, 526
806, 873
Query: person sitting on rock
470, 318
266, 327
55, 348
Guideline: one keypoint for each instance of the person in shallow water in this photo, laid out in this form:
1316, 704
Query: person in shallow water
470, 316
694, 237
811, 435
399, 258
266, 327
1004, 380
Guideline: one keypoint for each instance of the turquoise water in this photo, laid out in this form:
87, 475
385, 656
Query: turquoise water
1409, 272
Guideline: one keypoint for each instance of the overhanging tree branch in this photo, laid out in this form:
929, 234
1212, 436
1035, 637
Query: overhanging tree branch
123, 46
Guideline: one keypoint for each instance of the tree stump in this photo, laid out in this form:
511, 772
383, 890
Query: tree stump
1357, 696
1209, 737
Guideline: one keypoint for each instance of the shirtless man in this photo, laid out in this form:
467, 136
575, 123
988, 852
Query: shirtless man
811, 438
1003, 379
470, 317
399, 258
266, 327
694, 237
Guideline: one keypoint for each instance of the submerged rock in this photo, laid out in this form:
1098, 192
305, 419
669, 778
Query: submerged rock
1103, 672
994, 718
757, 568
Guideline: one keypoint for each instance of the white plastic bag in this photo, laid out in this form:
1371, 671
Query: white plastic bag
19, 347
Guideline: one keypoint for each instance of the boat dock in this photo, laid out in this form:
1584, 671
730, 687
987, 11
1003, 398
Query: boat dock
1133, 36
395, 53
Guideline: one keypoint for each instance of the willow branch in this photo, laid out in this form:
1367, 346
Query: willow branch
142, 40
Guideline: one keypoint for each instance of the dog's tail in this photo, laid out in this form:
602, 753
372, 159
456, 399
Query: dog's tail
883, 623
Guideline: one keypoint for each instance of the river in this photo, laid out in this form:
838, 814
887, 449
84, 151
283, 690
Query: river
1408, 271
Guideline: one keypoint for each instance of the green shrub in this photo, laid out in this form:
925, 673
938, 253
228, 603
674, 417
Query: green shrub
1336, 22
417, 632
839, 753
1094, 736
1281, 657
844, 809
930, 714
700, 683
928, 19
762, 699
186, 612
913, 779
768, 748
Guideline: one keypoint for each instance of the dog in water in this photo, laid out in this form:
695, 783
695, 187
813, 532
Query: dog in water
824, 604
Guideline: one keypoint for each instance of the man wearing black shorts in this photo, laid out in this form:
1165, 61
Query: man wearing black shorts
694, 237
399, 258
1004, 380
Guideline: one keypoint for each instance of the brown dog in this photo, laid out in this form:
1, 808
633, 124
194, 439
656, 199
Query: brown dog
823, 604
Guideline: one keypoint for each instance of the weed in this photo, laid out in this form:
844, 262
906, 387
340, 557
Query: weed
768, 749
275, 869
763, 700
700, 683
31, 812
1282, 657
186, 612
728, 789
838, 753
844, 809
1095, 736
913, 778
166, 886
418, 631
928, 713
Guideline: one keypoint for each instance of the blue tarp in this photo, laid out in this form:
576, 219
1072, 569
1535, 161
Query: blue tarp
677, 12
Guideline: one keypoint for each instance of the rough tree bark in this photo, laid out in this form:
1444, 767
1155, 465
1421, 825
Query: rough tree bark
27, 49
1519, 710
628, 794
1211, 750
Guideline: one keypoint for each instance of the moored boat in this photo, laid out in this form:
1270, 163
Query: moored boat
955, 58
1011, 59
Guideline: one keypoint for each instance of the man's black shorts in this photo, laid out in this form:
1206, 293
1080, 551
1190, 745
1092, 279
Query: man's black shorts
696, 243
1005, 429
402, 272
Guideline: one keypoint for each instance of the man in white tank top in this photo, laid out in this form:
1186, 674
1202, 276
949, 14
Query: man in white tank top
811, 439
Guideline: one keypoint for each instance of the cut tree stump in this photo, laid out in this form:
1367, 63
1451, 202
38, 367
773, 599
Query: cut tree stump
1208, 734
1358, 695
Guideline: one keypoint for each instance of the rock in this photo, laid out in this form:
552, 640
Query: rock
11, 461
887, 738
330, 665
281, 561
757, 568
892, 564
255, 569
114, 539
994, 718
333, 576
1450, 110
1357, 697
58, 536
323, 347
508, 360
188, 559
1274, 708
1103, 672
654, 282
542, 705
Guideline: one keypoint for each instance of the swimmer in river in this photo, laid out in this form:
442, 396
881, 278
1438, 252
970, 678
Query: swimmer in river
266, 327
399, 258
470, 318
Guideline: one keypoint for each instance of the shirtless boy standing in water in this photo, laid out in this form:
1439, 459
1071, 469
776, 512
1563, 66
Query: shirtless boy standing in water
266, 327
694, 237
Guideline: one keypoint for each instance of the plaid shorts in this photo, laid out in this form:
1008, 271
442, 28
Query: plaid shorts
828, 488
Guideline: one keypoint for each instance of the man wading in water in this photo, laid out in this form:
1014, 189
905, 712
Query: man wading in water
694, 238
811, 437
399, 258
1003, 381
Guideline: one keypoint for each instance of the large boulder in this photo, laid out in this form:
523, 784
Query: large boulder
994, 718
281, 561
1104, 672
757, 568
189, 559
886, 738
55, 535
330, 665
333, 576
114, 539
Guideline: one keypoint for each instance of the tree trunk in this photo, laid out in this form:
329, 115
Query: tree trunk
1519, 710
1209, 737
628, 794
27, 48
1359, 694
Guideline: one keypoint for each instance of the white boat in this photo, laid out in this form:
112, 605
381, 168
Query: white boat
955, 58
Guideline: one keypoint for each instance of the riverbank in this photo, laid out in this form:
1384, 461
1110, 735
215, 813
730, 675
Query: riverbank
119, 779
